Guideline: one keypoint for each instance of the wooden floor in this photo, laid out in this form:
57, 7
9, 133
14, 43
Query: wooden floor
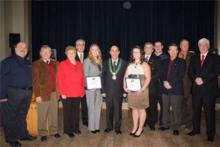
148, 139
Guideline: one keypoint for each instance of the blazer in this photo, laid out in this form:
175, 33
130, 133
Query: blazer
91, 69
113, 88
42, 83
209, 73
175, 78
155, 64
71, 79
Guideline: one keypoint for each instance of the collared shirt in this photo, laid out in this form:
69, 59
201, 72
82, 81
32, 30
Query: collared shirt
46, 61
115, 61
15, 72
80, 54
158, 54
147, 57
202, 55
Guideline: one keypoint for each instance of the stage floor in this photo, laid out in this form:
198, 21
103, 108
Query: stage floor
148, 138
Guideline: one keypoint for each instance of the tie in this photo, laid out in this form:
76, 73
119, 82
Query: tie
48, 62
147, 59
114, 65
81, 57
202, 60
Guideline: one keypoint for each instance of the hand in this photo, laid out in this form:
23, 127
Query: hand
199, 81
3, 100
38, 99
126, 90
103, 94
167, 85
63, 96
124, 95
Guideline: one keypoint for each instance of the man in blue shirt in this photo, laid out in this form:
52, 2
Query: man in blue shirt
15, 93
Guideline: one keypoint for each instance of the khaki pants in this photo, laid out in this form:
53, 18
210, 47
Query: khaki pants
48, 109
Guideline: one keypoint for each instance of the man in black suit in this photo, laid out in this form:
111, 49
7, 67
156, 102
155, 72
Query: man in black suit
172, 74
113, 74
203, 71
158, 46
154, 87
80, 46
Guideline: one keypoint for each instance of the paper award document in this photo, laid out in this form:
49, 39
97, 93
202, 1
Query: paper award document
93, 82
133, 84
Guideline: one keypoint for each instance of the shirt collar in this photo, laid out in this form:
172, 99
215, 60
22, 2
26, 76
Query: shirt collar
203, 54
45, 61
78, 53
115, 61
158, 54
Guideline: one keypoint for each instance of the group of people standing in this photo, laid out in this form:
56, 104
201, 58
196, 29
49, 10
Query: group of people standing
165, 79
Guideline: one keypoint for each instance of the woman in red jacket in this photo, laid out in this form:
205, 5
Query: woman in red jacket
71, 88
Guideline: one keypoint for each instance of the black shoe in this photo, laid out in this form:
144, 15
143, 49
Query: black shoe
85, 124
108, 130
57, 135
77, 132
118, 132
29, 138
71, 135
175, 132
139, 134
43, 138
164, 128
97, 131
152, 128
94, 132
15, 144
132, 134
210, 139
193, 133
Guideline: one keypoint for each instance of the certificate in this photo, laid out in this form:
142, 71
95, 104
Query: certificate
133, 84
93, 82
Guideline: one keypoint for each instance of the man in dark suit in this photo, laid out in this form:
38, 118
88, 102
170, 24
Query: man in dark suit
112, 77
172, 74
154, 87
158, 52
80, 46
203, 71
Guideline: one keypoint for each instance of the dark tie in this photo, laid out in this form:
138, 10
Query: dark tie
114, 65
202, 60
147, 59
48, 62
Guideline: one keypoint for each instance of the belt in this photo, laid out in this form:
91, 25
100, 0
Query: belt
26, 88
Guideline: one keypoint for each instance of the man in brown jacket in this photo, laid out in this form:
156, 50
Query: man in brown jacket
45, 90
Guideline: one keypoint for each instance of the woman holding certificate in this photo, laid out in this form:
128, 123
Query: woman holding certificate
93, 70
136, 81
71, 88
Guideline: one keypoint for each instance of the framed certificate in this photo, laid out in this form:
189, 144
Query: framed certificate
93, 82
133, 84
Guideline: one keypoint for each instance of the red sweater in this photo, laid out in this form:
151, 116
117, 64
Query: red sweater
71, 79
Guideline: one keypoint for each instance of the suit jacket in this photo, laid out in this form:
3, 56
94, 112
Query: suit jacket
154, 87
113, 88
42, 83
209, 73
175, 78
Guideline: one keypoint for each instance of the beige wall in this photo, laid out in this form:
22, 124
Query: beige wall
14, 18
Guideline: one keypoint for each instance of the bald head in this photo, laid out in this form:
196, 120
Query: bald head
21, 49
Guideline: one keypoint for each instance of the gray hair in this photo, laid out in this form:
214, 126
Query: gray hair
45, 47
204, 40
78, 40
